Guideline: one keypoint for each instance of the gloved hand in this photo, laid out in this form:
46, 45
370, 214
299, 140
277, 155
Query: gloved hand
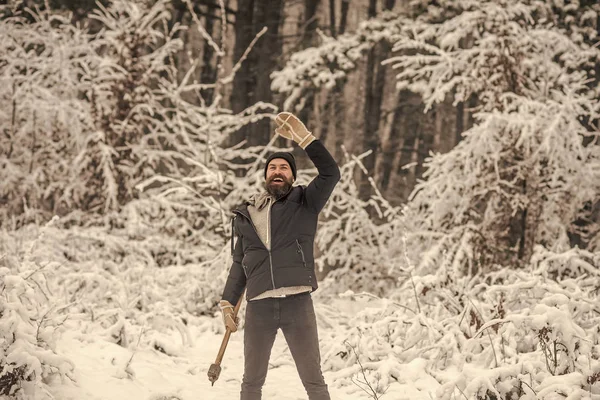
290, 127
229, 320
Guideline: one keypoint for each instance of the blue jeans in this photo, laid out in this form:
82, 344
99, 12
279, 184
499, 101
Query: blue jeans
295, 315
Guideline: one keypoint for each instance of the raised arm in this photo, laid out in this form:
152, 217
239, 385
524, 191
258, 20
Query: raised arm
318, 191
320, 188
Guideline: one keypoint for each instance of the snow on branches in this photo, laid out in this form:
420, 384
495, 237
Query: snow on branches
90, 120
488, 49
144, 112
509, 334
534, 157
361, 249
43, 116
29, 324
330, 62
530, 163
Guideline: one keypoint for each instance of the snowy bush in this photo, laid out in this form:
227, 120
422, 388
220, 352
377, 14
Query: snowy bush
30, 320
508, 334
362, 250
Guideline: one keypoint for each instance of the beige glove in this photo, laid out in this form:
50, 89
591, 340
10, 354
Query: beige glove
290, 127
228, 318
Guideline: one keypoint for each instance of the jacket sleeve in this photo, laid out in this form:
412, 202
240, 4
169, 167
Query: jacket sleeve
318, 191
236, 281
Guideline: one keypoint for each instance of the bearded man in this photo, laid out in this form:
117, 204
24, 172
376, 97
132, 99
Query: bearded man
273, 259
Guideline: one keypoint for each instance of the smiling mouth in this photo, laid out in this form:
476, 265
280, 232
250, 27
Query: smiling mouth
277, 180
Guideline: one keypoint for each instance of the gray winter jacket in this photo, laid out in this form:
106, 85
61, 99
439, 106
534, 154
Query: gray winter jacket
290, 262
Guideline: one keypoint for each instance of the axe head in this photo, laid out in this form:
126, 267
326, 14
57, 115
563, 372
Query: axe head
213, 373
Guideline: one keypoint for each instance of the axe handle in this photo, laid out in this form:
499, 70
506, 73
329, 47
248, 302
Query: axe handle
228, 332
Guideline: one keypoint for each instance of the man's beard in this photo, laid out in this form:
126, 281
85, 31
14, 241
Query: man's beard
278, 190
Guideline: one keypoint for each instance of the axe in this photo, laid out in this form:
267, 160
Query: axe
215, 368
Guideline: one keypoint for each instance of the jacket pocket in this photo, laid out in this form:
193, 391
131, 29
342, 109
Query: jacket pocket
301, 252
253, 263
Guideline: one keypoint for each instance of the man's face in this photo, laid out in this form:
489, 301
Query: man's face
279, 177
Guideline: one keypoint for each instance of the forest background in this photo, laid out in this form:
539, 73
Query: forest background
467, 134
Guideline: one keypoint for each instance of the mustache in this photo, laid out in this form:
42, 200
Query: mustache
283, 178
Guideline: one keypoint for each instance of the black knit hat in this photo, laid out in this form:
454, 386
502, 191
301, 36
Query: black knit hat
289, 157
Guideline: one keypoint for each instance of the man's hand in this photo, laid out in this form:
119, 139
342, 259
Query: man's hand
290, 127
228, 318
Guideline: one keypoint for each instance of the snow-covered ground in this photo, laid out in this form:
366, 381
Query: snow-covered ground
101, 371
104, 370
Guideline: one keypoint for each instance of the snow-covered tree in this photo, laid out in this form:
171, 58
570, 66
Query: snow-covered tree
42, 115
530, 163
89, 117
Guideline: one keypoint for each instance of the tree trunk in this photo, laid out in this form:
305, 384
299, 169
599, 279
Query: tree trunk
332, 17
311, 23
407, 123
243, 82
390, 141
309, 37
208, 72
344, 16
460, 120
374, 89
252, 83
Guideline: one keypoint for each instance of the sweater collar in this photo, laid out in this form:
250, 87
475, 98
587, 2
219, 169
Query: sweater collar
260, 200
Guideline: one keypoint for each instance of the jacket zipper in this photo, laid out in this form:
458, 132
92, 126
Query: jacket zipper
268, 249
301, 253
269, 242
